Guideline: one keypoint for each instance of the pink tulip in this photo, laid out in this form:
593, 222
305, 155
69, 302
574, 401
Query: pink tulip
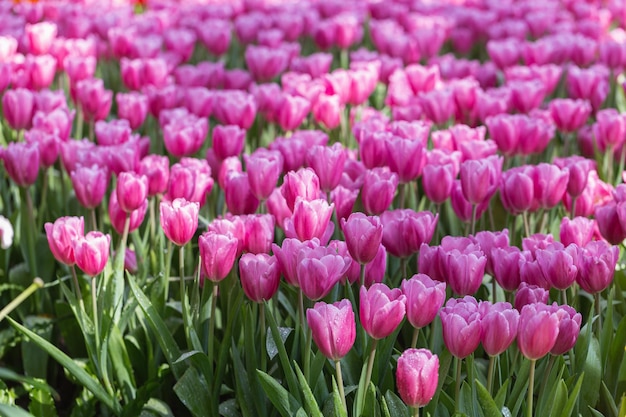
264, 168
292, 111
319, 269
578, 231
18, 108
235, 108
60, 236
597, 266
117, 216
506, 266
327, 111
460, 320
259, 233
228, 141
190, 179
405, 230
550, 184
133, 107
179, 220
157, 169
406, 157
437, 181
417, 376
569, 329
333, 328
185, 136
379, 188
569, 115
93, 99
57, 121
237, 193
538, 330
91, 252
21, 161
132, 190
215, 35
277, 207
424, 298
498, 327
530, 294
39, 37
328, 163
112, 133
517, 190
259, 275
363, 236
266, 63
381, 310
217, 254
287, 257
303, 183
90, 185
310, 219
343, 199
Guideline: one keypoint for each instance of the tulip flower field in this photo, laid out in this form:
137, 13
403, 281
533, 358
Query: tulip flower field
365, 208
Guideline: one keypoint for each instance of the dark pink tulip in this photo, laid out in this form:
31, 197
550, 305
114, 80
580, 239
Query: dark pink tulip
373, 148
47, 101
157, 169
316, 64
498, 327
215, 35
590, 84
343, 199
530, 294
405, 230
610, 129
491, 103
18, 107
569, 329
79, 68
527, 95
579, 169
161, 98
538, 330
185, 136
558, 264
180, 41
292, 111
235, 108
199, 101
132, 191
287, 257
437, 181
230, 224
217, 254
488, 241
93, 99
118, 216
578, 231
480, 178
114, 132
607, 218
21, 161
328, 163
61, 235
133, 107
57, 121
190, 179
228, 141
517, 190
569, 115
259, 233
90, 183
424, 298
462, 331
596, 266
506, 266
465, 269
259, 275
417, 376
333, 328
504, 53
550, 184
47, 143
327, 111
406, 157
277, 206
310, 219
266, 63
303, 183
462, 207
363, 83
294, 148
319, 269
363, 236
438, 105
264, 168
381, 310
41, 70
92, 252
179, 220
237, 193
379, 188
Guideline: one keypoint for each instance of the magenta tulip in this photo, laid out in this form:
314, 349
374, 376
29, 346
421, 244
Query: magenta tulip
363, 236
60, 236
538, 330
179, 220
381, 310
417, 376
424, 298
91, 252
259, 275
333, 328
460, 320
217, 254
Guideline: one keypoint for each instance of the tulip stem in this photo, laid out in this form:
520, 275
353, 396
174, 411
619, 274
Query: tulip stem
457, 388
401, 195
362, 276
301, 308
340, 385
78, 134
474, 208
596, 297
492, 360
37, 283
262, 329
564, 296
526, 225
307, 355
166, 274
573, 210
370, 364
79, 294
94, 222
416, 333
416, 411
531, 386
94, 307
183, 293
212, 324
403, 267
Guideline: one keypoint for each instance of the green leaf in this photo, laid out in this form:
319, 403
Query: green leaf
41, 403
573, 396
608, 399
501, 395
229, 408
396, 407
9, 375
122, 366
162, 333
12, 411
310, 404
560, 399
284, 402
606, 336
192, 390
490, 409
72, 367
596, 413
516, 398
370, 408
593, 375
290, 376
616, 356
156, 408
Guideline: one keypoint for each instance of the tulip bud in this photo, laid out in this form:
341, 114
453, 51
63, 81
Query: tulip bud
217, 254
179, 220
460, 320
333, 328
92, 252
132, 191
381, 310
363, 236
61, 235
417, 376
538, 330
424, 298
259, 275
